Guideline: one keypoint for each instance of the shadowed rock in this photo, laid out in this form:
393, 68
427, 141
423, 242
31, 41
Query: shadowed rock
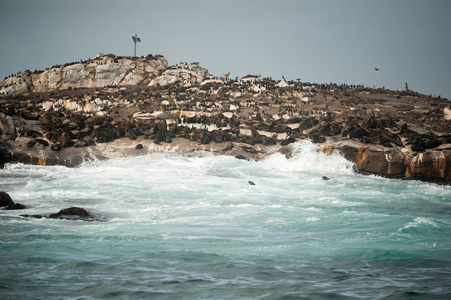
8, 203
15, 206
5, 199
71, 213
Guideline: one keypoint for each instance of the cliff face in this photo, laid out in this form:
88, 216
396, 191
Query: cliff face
102, 71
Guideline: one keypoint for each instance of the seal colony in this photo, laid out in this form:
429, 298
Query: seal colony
113, 106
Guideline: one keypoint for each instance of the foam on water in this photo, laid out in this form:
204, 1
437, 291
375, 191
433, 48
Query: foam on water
193, 227
306, 158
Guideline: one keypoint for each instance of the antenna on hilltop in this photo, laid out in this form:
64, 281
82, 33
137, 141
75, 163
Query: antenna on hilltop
135, 39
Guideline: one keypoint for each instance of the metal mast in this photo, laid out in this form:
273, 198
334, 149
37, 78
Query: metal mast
135, 39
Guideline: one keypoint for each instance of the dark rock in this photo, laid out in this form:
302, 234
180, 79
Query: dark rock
72, 213
251, 182
5, 153
15, 206
326, 178
5, 199
8, 129
33, 216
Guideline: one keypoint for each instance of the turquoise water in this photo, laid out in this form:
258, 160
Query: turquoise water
180, 227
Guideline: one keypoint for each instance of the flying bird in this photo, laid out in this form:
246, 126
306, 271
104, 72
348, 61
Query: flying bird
377, 69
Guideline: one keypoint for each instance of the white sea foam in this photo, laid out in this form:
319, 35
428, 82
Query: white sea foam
306, 157
417, 222
182, 219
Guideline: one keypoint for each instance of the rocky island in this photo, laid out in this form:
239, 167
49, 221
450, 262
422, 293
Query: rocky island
112, 106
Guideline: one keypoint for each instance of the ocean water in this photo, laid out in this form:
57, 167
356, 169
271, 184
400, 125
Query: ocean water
183, 227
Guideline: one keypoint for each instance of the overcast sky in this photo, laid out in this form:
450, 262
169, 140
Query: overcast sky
315, 40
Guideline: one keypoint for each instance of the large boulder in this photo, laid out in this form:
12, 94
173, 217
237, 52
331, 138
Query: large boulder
8, 129
430, 165
185, 74
382, 162
447, 113
5, 199
71, 213
7, 203
5, 152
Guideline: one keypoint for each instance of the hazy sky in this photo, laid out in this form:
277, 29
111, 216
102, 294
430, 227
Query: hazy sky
315, 40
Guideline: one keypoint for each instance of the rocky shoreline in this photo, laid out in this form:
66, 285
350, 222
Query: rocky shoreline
112, 106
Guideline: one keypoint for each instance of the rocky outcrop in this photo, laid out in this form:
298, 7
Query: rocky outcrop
71, 213
186, 74
5, 199
102, 71
430, 165
8, 204
7, 127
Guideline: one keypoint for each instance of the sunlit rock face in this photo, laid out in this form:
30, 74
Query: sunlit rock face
185, 74
102, 71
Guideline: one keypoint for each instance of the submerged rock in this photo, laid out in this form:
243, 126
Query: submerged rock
71, 213
15, 206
